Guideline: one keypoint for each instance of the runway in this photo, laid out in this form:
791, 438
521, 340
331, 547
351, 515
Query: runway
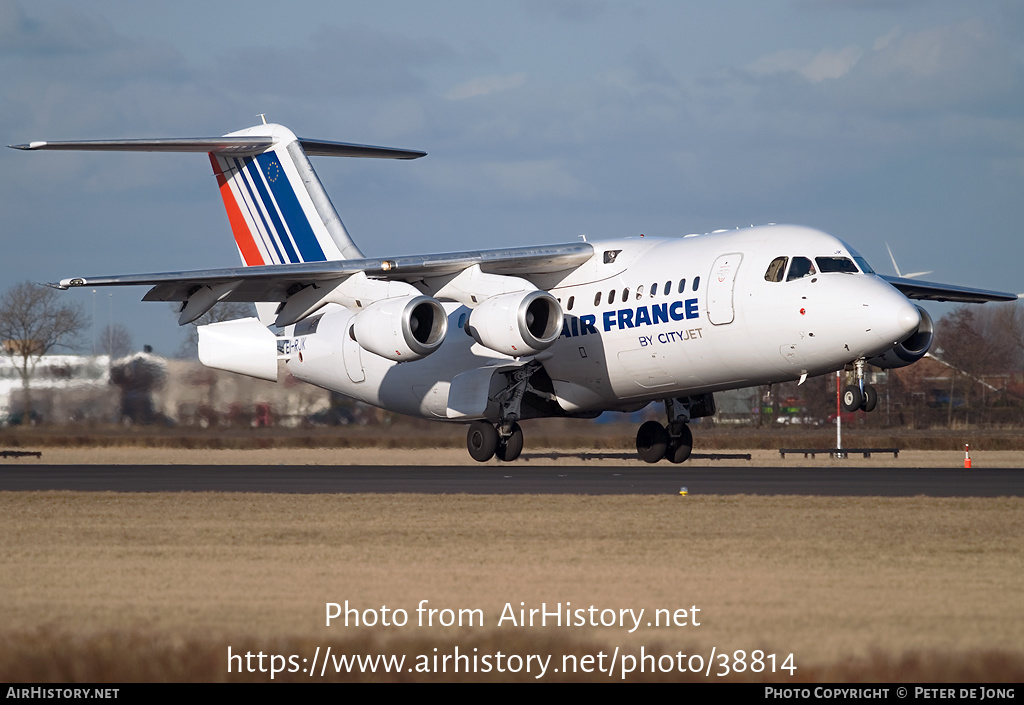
517, 479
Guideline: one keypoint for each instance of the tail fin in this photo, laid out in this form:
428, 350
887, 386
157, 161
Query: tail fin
277, 207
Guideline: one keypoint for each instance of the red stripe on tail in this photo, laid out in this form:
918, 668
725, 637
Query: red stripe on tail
243, 236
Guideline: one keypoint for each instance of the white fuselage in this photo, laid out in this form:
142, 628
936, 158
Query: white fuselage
644, 319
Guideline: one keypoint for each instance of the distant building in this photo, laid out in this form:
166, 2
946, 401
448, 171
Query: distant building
63, 387
143, 388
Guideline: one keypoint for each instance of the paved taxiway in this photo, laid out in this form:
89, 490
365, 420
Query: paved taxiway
513, 479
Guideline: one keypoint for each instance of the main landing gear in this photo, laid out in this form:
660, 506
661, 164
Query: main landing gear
654, 442
505, 439
859, 396
674, 441
486, 441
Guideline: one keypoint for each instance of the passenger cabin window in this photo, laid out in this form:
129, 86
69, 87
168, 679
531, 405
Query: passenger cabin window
801, 267
696, 283
654, 289
597, 299
572, 300
776, 270
639, 292
835, 264
682, 286
611, 297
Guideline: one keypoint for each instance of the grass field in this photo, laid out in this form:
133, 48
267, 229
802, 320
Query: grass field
127, 587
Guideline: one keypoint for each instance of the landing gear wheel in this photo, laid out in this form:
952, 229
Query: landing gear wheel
482, 441
510, 448
870, 399
680, 447
651, 441
852, 398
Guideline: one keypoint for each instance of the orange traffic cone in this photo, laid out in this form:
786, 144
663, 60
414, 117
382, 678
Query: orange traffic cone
967, 456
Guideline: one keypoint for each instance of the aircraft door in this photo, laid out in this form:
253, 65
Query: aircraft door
720, 288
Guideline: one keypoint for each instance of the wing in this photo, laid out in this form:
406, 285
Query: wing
930, 291
199, 290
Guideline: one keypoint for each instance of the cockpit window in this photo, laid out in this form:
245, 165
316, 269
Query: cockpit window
776, 269
801, 267
863, 263
835, 264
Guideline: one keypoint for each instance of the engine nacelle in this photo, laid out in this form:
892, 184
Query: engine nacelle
910, 350
517, 324
401, 329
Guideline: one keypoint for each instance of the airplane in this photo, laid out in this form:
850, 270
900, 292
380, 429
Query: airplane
493, 337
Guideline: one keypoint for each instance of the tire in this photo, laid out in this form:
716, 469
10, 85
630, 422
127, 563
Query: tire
482, 441
651, 442
852, 398
680, 447
870, 399
510, 448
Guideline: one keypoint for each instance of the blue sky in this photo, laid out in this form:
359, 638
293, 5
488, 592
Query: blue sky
878, 121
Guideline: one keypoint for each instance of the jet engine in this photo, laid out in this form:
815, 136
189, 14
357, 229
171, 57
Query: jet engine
517, 324
910, 350
401, 329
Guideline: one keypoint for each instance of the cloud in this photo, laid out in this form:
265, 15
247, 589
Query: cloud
507, 181
831, 64
827, 64
886, 39
347, 61
485, 85
565, 10
966, 66
67, 32
644, 70
72, 75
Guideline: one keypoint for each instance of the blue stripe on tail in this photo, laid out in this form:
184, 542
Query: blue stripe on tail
254, 170
296, 219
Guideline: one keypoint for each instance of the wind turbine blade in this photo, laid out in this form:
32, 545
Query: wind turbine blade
894, 265
897, 267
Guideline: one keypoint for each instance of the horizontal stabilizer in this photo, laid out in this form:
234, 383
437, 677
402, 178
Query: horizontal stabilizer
254, 144
278, 210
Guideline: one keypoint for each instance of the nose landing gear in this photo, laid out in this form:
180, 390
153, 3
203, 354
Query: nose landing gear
859, 396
